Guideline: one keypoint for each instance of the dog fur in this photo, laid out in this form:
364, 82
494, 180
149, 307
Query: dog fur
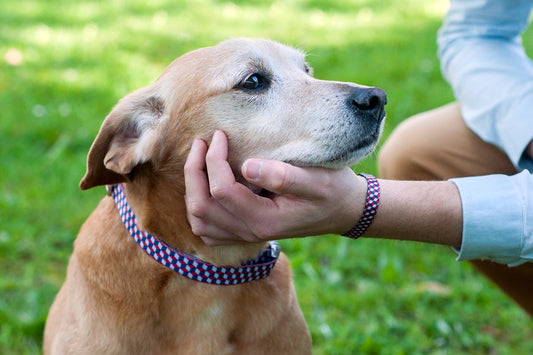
115, 299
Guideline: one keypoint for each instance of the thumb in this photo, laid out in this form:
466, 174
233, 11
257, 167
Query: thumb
279, 177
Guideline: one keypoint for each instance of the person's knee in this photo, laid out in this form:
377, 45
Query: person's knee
399, 156
414, 150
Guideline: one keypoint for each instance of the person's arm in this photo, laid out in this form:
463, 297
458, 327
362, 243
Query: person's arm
423, 211
309, 202
497, 218
483, 59
495, 212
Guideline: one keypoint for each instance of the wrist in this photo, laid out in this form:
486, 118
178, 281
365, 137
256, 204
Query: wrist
370, 207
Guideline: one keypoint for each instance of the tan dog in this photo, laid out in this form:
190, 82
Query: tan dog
116, 299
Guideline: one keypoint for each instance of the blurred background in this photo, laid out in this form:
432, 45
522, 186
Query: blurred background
64, 64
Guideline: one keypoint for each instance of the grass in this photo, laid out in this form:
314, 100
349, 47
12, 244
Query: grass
64, 64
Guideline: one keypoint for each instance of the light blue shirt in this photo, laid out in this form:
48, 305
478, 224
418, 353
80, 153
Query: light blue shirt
483, 59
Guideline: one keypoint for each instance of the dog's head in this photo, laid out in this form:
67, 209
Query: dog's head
259, 92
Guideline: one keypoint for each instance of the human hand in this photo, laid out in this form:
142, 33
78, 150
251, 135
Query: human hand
304, 201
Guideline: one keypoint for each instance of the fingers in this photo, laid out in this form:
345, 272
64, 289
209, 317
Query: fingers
206, 215
218, 169
236, 199
195, 177
197, 197
200, 205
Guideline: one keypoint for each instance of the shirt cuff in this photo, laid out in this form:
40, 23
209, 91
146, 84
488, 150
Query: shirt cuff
492, 219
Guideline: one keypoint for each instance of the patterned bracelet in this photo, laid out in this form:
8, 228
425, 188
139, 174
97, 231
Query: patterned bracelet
371, 207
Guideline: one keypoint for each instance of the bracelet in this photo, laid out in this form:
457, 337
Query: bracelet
371, 207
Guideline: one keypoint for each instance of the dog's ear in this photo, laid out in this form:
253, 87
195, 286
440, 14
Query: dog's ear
125, 139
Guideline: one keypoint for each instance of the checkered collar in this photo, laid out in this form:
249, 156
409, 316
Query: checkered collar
188, 265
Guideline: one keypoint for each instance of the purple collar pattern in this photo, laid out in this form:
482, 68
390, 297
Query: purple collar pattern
188, 265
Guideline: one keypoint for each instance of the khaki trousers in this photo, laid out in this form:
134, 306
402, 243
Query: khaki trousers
437, 145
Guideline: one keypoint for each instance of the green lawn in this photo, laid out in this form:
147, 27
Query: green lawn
64, 64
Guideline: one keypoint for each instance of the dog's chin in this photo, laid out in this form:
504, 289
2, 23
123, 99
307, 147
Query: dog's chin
334, 160
337, 159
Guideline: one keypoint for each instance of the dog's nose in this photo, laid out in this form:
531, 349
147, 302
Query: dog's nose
369, 100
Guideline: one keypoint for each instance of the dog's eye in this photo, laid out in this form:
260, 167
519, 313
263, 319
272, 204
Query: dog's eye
308, 69
253, 82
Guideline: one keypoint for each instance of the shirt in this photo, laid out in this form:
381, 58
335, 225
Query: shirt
483, 59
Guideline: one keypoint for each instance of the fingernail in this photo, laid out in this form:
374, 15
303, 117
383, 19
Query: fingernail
252, 169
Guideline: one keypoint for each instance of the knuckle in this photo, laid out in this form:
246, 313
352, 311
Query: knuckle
197, 208
211, 156
197, 228
209, 242
251, 239
284, 180
263, 232
220, 192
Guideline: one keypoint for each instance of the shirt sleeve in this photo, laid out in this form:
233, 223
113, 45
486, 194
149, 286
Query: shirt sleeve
483, 59
497, 218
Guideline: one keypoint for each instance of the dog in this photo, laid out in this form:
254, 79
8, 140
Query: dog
117, 298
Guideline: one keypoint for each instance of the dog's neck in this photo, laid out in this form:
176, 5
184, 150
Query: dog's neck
161, 211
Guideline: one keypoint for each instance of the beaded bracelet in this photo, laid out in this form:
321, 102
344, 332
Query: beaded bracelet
371, 207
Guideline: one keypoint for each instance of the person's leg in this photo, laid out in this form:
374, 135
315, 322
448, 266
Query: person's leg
437, 145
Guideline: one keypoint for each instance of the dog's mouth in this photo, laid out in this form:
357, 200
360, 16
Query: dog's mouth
341, 157
338, 160
352, 156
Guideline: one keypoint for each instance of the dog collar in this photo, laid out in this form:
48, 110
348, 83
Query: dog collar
188, 265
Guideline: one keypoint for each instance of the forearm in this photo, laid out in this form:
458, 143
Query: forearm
483, 217
424, 211
490, 218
